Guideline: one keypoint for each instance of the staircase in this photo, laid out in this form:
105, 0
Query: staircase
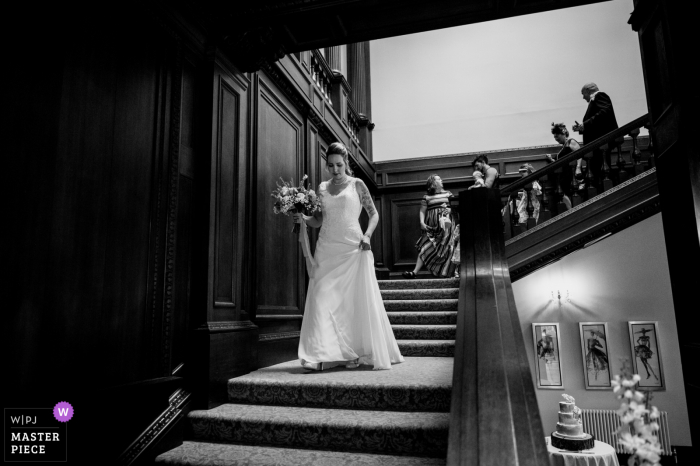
286, 415
423, 314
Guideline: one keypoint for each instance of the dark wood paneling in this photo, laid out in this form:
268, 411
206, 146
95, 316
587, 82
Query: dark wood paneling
227, 194
406, 221
228, 186
378, 237
280, 153
446, 173
95, 170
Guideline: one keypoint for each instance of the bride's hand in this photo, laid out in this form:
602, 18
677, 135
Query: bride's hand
364, 243
298, 217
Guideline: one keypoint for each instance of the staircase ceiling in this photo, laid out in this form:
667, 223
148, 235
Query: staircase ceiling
272, 28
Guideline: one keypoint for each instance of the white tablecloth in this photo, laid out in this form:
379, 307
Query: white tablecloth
602, 454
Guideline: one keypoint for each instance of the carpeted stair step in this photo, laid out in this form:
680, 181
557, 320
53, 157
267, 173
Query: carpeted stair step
394, 432
436, 293
427, 348
417, 384
424, 332
422, 318
425, 305
221, 454
418, 284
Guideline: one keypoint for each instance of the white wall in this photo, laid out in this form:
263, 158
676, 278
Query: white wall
500, 84
624, 277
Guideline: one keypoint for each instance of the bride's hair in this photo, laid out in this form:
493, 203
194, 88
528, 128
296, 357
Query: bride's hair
340, 149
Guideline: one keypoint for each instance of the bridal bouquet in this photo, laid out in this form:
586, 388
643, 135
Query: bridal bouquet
639, 420
291, 199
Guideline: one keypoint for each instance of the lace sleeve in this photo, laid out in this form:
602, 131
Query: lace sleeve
365, 198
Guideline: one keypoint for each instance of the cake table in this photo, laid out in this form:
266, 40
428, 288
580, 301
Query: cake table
602, 454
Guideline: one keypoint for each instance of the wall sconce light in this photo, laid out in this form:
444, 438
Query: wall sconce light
558, 296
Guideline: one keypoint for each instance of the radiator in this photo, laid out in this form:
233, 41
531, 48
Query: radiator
602, 424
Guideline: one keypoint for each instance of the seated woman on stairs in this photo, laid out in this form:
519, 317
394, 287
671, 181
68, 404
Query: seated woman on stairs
437, 243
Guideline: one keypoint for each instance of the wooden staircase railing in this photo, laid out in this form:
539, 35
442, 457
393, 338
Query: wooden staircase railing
550, 177
494, 417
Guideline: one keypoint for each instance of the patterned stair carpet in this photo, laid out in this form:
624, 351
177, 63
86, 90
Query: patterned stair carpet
423, 314
286, 415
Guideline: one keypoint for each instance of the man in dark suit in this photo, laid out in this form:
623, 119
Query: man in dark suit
598, 121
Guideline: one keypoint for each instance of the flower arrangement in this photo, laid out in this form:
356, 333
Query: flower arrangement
290, 199
638, 420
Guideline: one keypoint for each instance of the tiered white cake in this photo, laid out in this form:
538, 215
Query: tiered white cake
569, 434
569, 424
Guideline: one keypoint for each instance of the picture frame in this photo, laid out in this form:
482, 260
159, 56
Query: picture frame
595, 354
546, 341
646, 354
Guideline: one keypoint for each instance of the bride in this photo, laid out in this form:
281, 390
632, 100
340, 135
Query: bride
344, 318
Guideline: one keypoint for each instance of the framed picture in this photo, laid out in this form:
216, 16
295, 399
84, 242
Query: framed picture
646, 354
547, 343
595, 352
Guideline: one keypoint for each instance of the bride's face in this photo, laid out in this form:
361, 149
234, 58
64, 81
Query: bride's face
336, 165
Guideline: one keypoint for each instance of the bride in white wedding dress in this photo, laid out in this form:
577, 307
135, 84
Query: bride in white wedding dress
344, 318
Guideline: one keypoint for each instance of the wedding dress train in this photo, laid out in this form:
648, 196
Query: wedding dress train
344, 315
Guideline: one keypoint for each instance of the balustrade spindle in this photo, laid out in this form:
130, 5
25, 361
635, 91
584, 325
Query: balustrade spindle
622, 175
516, 227
650, 148
559, 192
530, 209
545, 213
607, 182
576, 195
637, 166
591, 188
507, 219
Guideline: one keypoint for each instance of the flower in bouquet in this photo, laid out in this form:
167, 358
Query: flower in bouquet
639, 420
290, 199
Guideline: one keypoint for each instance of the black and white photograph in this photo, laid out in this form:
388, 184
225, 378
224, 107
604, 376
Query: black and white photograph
325, 231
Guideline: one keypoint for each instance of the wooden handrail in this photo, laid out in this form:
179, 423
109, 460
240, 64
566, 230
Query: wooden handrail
494, 417
577, 154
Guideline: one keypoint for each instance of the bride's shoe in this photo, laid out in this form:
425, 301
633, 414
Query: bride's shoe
314, 366
354, 364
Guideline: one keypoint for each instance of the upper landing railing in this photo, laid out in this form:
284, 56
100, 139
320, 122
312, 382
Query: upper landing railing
552, 177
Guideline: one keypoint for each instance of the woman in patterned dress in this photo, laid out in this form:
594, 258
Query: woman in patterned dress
435, 246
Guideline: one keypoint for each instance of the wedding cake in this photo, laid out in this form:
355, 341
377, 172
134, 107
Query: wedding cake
569, 434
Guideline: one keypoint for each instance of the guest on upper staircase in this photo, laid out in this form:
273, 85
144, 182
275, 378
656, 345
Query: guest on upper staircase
598, 121
481, 164
566, 177
525, 170
436, 245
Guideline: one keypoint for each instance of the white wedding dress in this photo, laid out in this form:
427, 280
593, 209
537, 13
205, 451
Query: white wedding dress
344, 315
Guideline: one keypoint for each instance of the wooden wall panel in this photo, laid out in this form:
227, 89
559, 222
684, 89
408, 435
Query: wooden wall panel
228, 186
190, 142
406, 230
227, 193
94, 236
446, 173
108, 181
280, 143
377, 241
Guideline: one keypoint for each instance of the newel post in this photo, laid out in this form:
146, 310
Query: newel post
494, 417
